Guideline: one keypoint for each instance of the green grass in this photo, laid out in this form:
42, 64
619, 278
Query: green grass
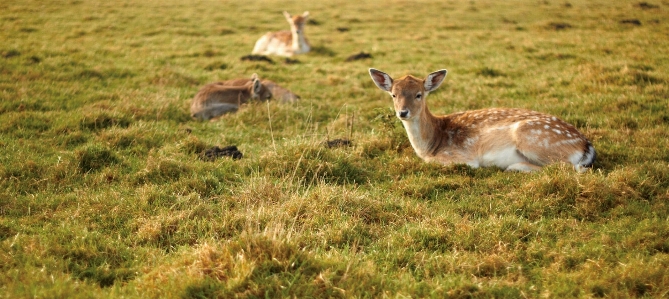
103, 192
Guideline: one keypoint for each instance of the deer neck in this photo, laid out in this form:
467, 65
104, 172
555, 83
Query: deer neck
422, 133
300, 43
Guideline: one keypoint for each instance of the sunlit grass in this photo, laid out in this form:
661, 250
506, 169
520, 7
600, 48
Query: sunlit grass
105, 194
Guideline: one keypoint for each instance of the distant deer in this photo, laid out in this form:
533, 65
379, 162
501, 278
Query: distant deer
278, 92
511, 139
285, 43
214, 99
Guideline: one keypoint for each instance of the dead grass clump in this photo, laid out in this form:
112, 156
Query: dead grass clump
160, 228
491, 266
258, 264
637, 278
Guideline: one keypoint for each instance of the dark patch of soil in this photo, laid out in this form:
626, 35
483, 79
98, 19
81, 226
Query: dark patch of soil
257, 58
338, 143
646, 5
359, 56
559, 26
291, 61
217, 152
631, 22
343, 29
11, 53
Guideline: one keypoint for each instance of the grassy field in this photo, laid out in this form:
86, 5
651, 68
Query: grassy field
103, 192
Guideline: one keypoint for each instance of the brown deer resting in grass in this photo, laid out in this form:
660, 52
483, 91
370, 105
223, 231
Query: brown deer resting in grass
285, 43
278, 92
511, 139
214, 100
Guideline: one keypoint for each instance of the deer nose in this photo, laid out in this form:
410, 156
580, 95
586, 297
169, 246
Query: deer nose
403, 113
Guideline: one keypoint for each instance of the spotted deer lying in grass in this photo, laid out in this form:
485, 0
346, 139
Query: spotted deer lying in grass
511, 139
214, 99
285, 43
278, 92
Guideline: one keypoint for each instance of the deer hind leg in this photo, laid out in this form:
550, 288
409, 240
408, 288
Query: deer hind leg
534, 144
542, 145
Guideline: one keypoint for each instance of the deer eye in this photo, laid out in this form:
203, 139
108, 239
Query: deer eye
418, 96
394, 96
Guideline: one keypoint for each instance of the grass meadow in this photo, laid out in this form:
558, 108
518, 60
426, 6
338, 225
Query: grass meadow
103, 192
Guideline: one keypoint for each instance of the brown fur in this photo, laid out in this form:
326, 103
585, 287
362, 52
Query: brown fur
214, 99
278, 92
285, 43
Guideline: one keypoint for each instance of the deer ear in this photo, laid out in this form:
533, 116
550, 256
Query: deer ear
435, 79
305, 14
256, 85
381, 79
287, 15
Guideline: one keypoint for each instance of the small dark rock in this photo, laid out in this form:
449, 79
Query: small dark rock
507, 21
338, 143
359, 56
34, 59
217, 152
559, 26
631, 22
343, 29
257, 58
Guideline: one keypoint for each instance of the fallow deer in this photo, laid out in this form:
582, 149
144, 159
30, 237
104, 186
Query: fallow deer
285, 43
511, 139
214, 99
278, 92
